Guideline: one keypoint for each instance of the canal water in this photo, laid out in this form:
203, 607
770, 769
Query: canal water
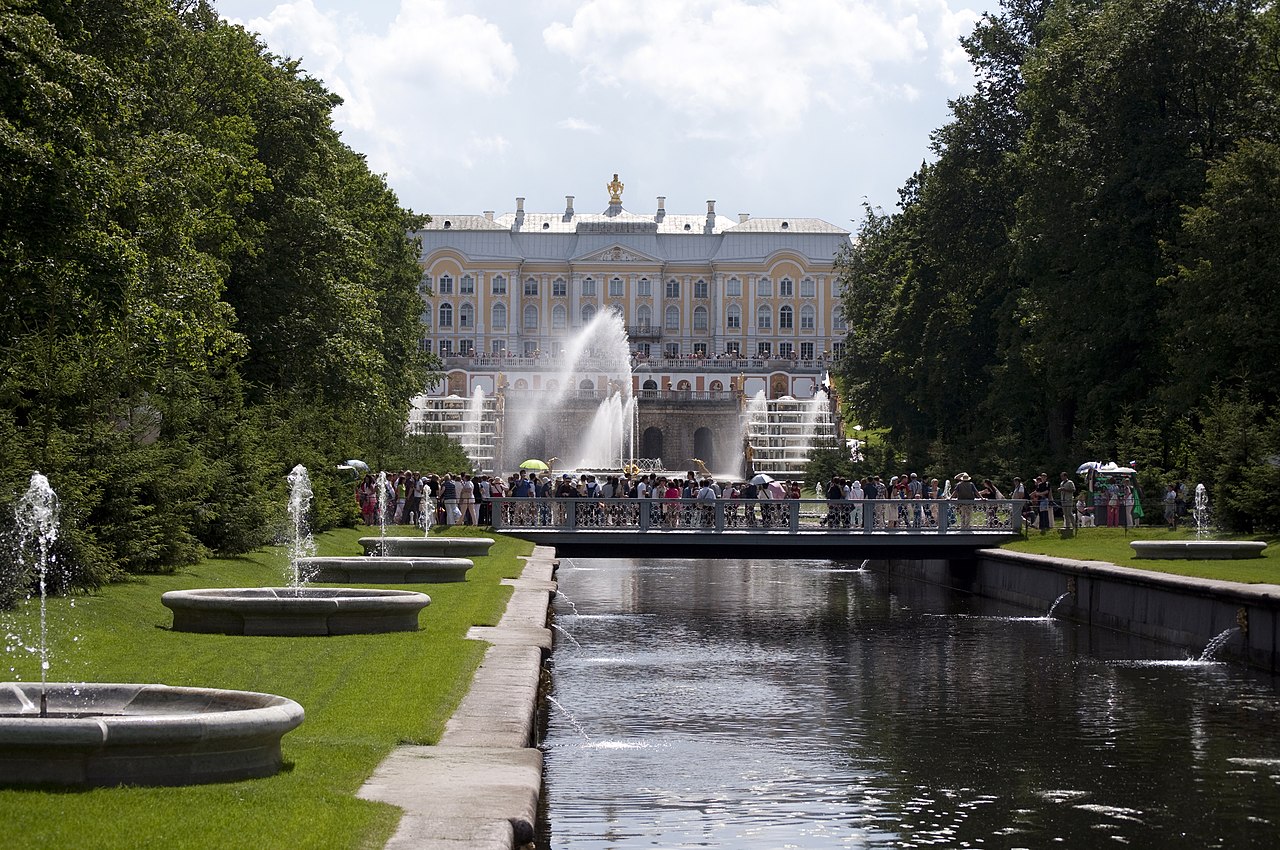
811, 704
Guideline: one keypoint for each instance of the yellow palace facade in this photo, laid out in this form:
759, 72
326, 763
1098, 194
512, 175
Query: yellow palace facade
703, 297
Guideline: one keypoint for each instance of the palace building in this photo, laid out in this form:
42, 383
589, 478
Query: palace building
710, 304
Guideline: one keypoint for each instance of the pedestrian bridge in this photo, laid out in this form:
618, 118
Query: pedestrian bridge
874, 528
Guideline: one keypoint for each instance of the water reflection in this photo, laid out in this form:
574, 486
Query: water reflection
807, 704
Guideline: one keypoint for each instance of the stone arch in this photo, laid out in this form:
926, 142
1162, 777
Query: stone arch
651, 442
716, 387
650, 384
704, 447
683, 386
586, 384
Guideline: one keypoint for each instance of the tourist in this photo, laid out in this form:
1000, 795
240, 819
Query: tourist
1043, 496
467, 501
965, 492
449, 495
1067, 498
1171, 507
397, 509
484, 495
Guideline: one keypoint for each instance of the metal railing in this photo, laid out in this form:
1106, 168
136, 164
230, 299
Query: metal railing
785, 516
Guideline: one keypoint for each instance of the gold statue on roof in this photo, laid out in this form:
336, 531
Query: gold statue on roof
615, 190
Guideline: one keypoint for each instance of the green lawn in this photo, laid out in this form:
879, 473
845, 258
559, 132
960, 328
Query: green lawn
1112, 545
363, 694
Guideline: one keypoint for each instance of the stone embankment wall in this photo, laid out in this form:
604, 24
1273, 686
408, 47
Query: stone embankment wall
1186, 612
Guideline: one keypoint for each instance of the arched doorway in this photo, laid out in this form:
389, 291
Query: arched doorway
651, 443
650, 384
704, 447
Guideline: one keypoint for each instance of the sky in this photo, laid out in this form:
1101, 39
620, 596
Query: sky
776, 108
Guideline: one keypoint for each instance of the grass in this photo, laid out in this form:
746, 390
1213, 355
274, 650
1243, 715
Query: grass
363, 695
1112, 545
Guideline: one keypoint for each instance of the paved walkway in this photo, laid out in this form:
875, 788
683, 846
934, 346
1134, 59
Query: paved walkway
478, 788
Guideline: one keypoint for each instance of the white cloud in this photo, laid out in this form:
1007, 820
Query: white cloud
762, 63
428, 54
578, 125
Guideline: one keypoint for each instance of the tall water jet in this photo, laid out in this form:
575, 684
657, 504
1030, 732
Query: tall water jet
37, 527
301, 544
1200, 511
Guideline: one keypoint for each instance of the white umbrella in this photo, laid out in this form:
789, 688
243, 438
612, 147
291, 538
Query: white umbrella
762, 479
1112, 467
1086, 466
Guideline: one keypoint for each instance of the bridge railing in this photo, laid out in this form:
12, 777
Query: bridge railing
784, 516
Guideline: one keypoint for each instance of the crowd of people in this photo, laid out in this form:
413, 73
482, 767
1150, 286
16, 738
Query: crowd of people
412, 498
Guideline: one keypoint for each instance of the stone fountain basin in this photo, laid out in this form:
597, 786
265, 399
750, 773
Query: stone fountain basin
288, 611
385, 570
427, 547
1197, 549
109, 734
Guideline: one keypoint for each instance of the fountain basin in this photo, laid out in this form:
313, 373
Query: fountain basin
287, 611
110, 734
386, 570
427, 547
1197, 549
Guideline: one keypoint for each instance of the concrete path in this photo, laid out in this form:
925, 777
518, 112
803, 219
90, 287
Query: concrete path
478, 788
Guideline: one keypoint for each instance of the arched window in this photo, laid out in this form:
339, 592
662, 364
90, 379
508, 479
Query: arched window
446, 315
426, 316
837, 320
467, 286
560, 289
733, 317
764, 287
499, 316
589, 287
650, 384
531, 316
586, 384
466, 316
644, 316
559, 317
786, 288
683, 386
446, 285
588, 313
807, 316
733, 288
764, 317
807, 288
498, 286
699, 318
786, 318
615, 287
672, 321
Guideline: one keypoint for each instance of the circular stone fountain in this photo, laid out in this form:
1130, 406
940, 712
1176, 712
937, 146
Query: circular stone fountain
427, 547
289, 611
386, 570
105, 734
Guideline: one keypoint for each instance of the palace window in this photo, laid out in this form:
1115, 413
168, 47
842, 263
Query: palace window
467, 347
424, 344
837, 349
559, 289
644, 316
446, 315
446, 285
530, 317
807, 316
733, 349
672, 321
733, 317
699, 318
764, 287
424, 285
498, 285
645, 288
786, 318
530, 348
733, 288
764, 349
498, 346
806, 351
467, 286
807, 288
699, 349
785, 349
499, 316
466, 316
531, 286
425, 318
764, 318
837, 320
615, 287
446, 348
673, 288
559, 317
588, 313
700, 289
786, 289
671, 349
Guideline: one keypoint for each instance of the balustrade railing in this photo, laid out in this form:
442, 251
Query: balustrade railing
787, 516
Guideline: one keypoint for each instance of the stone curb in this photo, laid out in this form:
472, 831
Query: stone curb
478, 788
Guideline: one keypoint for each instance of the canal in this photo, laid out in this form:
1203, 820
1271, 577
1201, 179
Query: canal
813, 704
